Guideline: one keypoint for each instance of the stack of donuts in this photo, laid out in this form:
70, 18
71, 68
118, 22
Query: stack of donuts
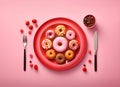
60, 44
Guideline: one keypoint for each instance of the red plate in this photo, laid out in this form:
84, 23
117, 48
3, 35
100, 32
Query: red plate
51, 24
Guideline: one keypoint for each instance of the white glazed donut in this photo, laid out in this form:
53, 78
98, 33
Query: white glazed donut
70, 34
73, 44
50, 34
60, 44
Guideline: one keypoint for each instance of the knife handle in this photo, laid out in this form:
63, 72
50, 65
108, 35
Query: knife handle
95, 62
24, 60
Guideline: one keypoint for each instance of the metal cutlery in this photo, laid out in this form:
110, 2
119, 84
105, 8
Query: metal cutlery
95, 50
24, 44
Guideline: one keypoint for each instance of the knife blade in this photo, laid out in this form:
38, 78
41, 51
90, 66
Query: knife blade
95, 50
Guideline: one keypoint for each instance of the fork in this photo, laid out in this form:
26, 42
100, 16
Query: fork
24, 44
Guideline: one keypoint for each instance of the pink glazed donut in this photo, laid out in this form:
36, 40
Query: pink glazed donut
73, 44
60, 44
70, 34
50, 34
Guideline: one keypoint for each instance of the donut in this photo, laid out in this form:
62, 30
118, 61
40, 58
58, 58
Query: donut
50, 54
70, 34
46, 44
69, 54
73, 44
50, 34
60, 44
60, 30
60, 58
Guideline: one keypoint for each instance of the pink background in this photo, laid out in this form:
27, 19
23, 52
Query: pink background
13, 14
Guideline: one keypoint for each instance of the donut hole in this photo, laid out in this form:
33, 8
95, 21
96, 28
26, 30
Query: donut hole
60, 30
59, 44
50, 53
73, 44
69, 54
50, 34
46, 43
70, 34
59, 58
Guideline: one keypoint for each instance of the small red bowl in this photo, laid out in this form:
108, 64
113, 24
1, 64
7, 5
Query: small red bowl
89, 21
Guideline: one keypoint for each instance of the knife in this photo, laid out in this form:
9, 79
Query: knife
95, 50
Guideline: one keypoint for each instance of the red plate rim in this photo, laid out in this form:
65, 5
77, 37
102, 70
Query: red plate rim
80, 33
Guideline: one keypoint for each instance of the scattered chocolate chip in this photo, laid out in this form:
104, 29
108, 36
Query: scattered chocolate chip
84, 65
30, 61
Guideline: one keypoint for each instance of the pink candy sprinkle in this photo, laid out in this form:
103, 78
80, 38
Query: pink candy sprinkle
22, 31
34, 21
89, 52
31, 27
31, 65
90, 61
31, 56
27, 23
84, 69
35, 67
29, 32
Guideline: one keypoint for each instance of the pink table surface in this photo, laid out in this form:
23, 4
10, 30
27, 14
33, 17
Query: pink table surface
13, 14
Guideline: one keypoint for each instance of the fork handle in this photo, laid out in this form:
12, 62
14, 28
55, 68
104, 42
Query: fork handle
24, 59
95, 62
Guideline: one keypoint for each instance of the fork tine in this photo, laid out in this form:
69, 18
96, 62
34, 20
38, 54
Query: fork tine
24, 38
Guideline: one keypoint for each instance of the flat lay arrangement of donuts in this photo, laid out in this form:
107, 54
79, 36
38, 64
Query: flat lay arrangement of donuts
59, 43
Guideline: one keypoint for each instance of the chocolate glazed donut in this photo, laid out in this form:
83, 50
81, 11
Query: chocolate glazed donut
60, 58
